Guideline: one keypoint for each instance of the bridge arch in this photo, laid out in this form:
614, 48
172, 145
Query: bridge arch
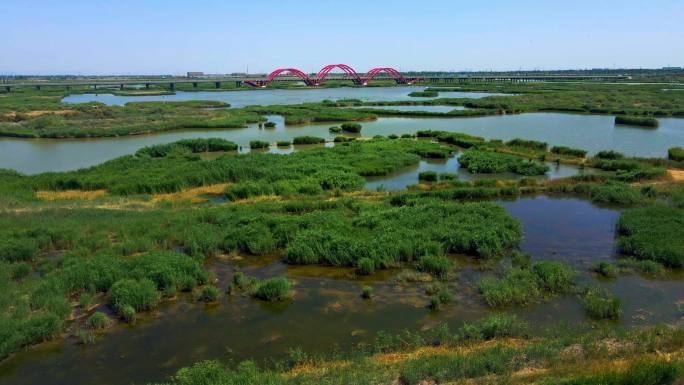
294, 71
394, 74
347, 69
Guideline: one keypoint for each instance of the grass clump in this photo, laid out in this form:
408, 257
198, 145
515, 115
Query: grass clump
487, 162
522, 286
435, 265
606, 269
335, 130
654, 233
351, 127
601, 304
609, 154
563, 150
424, 94
256, 144
307, 140
531, 144
98, 320
428, 176
274, 289
640, 121
209, 293
139, 295
366, 292
676, 153
269, 124
365, 266
284, 143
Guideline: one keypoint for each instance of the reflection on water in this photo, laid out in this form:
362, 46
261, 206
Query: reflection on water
408, 176
270, 96
589, 132
327, 311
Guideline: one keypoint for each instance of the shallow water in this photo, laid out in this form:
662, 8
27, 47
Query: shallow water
405, 177
327, 312
589, 132
270, 96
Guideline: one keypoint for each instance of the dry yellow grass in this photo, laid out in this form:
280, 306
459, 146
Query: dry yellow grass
70, 194
37, 113
676, 175
193, 194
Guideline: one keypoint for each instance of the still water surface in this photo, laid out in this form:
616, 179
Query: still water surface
589, 132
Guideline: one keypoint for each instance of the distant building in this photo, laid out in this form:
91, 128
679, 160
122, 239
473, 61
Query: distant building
195, 74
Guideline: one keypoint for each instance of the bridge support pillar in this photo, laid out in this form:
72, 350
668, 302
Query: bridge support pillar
121, 87
147, 86
238, 83
217, 84
8, 88
38, 88
68, 87
194, 84
94, 86
172, 86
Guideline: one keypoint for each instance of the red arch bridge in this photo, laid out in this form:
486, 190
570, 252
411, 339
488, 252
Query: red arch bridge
348, 74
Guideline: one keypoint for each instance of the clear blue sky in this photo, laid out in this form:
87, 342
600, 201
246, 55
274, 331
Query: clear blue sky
172, 37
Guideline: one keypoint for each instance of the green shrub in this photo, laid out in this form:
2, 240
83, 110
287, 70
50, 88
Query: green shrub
447, 176
274, 289
187, 145
428, 176
128, 313
487, 162
609, 154
424, 94
307, 140
563, 150
98, 320
606, 269
140, 295
615, 192
637, 121
601, 304
284, 143
658, 372
531, 144
21, 270
520, 259
210, 293
436, 265
365, 266
351, 127
554, 277
494, 326
654, 233
434, 303
269, 124
255, 144
676, 153
366, 292
335, 130
642, 266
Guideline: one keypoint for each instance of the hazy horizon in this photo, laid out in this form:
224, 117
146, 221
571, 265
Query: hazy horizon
169, 37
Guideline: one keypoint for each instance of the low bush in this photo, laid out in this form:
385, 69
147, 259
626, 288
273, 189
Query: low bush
335, 130
351, 127
274, 289
424, 94
609, 154
606, 269
307, 140
436, 265
255, 144
139, 295
366, 292
209, 293
653, 233
563, 150
676, 153
98, 320
486, 162
637, 121
428, 176
269, 124
365, 266
284, 143
531, 144
601, 304
21, 270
